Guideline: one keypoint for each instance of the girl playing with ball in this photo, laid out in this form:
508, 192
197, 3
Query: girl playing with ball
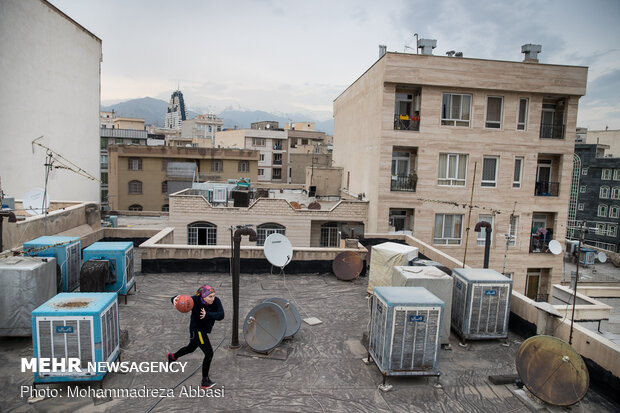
206, 308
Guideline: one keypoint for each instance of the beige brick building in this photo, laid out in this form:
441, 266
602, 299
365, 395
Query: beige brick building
416, 133
139, 178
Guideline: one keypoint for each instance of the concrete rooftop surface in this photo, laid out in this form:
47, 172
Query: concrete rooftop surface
319, 370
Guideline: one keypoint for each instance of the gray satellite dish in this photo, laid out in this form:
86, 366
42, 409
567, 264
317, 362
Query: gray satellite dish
264, 327
35, 202
602, 257
278, 250
293, 320
555, 247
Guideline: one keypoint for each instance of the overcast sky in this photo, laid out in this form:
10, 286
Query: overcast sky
298, 56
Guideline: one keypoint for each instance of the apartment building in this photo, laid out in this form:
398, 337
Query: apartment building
141, 178
596, 197
200, 131
423, 137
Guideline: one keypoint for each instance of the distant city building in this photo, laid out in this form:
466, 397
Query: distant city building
201, 130
106, 119
596, 196
609, 137
176, 111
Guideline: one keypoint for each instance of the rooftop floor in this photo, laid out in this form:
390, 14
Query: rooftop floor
319, 370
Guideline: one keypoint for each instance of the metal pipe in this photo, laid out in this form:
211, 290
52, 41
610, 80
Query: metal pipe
234, 341
12, 218
487, 240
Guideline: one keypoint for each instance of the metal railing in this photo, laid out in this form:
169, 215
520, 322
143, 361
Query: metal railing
540, 243
403, 183
551, 131
547, 189
405, 122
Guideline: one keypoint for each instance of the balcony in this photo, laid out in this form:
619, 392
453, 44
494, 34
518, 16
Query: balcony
551, 131
547, 189
539, 242
406, 122
404, 183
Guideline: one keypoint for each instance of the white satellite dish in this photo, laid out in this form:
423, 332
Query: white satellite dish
602, 257
278, 250
35, 202
555, 247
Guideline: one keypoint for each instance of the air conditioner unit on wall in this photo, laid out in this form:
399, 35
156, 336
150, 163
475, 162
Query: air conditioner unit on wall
121, 258
480, 303
405, 330
66, 250
76, 325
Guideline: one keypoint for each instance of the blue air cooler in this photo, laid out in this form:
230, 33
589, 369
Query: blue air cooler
480, 303
405, 331
120, 256
66, 250
76, 325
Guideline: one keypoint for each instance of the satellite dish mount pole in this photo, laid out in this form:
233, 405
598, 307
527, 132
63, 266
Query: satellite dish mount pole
582, 232
241, 230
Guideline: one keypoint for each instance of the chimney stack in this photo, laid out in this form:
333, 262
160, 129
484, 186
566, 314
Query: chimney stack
531, 52
427, 45
382, 50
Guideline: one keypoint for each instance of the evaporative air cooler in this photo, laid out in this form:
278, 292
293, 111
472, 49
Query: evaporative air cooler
76, 325
66, 250
119, 256
480, 303
405, 331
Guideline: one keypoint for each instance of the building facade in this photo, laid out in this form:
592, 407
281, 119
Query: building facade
437, 144
140, 179
597, 195
176, 111
50, 91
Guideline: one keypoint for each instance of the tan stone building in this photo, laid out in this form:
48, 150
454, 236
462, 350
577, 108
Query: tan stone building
140, 178
417, 135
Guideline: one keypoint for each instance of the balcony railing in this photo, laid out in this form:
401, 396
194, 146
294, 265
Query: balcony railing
551, 131
403, 183
540, 243
406, 122
277, 161
547, 189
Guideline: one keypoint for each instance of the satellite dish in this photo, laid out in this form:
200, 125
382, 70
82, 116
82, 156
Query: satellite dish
264, 327
552, 370
602, 257
278, 250
35, 202
295, 205
347, 265
555, 247
314, 205
293, 320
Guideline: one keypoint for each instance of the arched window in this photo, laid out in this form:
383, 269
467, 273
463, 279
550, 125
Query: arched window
135, 187
201, 233
265, 230
135, 207
604, 192
165, 208
329, 235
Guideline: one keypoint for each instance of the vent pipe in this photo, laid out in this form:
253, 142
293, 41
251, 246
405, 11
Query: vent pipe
382, 50
427, 45
531, 52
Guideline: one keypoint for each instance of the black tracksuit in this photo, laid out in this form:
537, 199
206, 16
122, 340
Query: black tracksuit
199, 330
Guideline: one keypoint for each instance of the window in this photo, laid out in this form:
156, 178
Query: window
582, 189
604, 192
164, 187
494, 112
580, 206
489, 171
261, 172
104, 178
104, 195
400, 163
135, 207
104, 161
277, 159
606, 174
329, 235
602, 210
165, 208
201, 233
616, 174
516, 180
483, 231
612, 230
135, 141
304, 141
258, 141
243, 166
448, 229
600, 229
522, 118
614, 211
118, 141
262, 157
615, 192
277, 173
512, 231
103, 143
455, 110
317, 149
452, 169
584, 171
134, 164
217, 165
135, 187
265, 230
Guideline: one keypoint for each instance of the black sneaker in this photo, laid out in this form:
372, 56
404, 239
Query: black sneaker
206, 383
170, 357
